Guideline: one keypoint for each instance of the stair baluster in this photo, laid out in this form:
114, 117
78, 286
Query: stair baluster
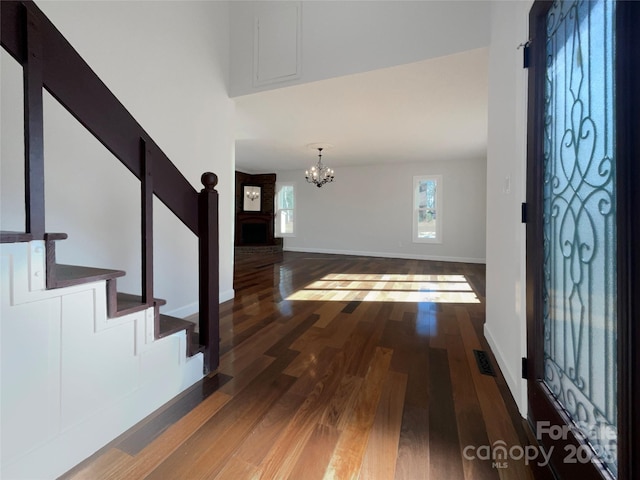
33, 128
146, 190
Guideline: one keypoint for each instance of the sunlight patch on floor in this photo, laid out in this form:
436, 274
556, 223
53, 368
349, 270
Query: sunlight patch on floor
388, 288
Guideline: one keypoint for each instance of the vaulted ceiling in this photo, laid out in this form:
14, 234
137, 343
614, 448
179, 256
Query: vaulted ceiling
434, 109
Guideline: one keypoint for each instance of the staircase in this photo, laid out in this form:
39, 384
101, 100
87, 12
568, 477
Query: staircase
81, 361
74, 375
118, 303
50, 62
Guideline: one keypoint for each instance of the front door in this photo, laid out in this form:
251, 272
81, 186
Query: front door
577, 241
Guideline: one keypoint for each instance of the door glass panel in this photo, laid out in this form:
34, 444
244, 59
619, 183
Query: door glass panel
579, 220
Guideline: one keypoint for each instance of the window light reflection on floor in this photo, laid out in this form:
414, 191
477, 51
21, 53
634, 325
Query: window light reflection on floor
388, 288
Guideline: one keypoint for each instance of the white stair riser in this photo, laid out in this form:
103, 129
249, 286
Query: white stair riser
73, 379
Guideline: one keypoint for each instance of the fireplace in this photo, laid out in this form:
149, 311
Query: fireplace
254, 229
254, 233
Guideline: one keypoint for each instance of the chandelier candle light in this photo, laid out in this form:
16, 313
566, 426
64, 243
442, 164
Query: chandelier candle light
319, 173
253, 193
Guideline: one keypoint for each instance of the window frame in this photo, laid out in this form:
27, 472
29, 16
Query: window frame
278, 209
417, 179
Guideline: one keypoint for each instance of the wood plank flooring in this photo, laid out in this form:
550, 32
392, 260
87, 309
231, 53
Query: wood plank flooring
335, 367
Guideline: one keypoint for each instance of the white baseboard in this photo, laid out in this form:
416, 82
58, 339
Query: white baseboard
74, 444
514, 384
227, 295
184, 311
192, 308
408, 256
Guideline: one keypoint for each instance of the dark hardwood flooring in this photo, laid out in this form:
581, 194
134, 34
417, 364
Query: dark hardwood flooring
335, 367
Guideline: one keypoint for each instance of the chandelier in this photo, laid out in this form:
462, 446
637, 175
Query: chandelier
319, 174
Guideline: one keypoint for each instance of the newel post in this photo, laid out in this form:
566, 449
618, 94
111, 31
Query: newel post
209, 295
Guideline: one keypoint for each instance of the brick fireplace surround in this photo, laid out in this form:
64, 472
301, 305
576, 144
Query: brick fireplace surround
254, 230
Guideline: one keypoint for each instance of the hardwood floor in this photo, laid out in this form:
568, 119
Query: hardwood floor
335, 367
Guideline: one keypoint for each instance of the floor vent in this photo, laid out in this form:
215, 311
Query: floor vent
484, 363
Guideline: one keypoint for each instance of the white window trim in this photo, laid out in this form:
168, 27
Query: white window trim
439, 210
279, 186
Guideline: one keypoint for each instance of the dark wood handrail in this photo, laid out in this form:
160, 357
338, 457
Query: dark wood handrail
50, 62
70, 80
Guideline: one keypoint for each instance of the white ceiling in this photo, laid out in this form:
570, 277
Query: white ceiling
430, 110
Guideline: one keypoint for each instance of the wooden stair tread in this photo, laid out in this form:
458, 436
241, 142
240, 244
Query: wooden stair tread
7, 236
118, 303
55, 236
10, 236
68, 275
170, 325
137, 299
129, 303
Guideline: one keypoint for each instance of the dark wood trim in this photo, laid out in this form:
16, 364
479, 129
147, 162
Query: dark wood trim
545, 408
209, 293
146, 185
628, 233
535, 148
76, 86
33, 127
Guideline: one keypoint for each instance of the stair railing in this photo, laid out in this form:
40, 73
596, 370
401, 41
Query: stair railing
50, 62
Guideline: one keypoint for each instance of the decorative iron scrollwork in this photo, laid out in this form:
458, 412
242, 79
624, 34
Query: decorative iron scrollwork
579, 217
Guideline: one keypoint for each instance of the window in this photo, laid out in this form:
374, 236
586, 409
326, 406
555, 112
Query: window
285, 213
427, 209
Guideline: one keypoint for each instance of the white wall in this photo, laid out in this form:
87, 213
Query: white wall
505, 327
344, 37
167, 62
368, 211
